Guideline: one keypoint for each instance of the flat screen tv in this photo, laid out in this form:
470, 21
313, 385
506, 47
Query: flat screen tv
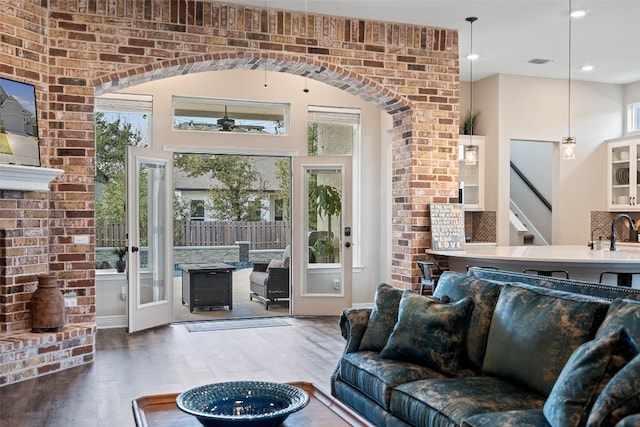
18, 124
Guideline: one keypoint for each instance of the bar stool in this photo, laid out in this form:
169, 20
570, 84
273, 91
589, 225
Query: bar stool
430, 277
622, 278
548, 273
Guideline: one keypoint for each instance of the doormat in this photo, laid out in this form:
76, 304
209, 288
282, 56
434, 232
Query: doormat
222, 325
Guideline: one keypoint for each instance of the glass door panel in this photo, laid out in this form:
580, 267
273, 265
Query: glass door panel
149, 231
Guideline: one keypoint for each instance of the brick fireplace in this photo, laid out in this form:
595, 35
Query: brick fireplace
24, 254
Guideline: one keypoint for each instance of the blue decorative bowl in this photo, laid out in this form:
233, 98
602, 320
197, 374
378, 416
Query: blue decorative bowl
242, 403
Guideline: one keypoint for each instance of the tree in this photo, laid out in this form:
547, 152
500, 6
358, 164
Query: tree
236, 184
112, 138
283, 175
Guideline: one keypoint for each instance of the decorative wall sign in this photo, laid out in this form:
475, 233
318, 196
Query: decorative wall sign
447, 226
18, 124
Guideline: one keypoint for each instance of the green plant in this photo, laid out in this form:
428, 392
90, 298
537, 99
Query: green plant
120, 252
470, 123
324, 250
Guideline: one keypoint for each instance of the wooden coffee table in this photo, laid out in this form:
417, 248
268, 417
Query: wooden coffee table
322, 410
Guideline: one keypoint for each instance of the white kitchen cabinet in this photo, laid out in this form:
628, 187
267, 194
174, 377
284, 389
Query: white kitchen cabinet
623, 174
472, 176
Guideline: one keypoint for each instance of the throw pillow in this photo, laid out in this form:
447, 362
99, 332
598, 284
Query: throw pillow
274, 263
383, 317
585, 374
286, 257
429, 333
622, 313
619, 399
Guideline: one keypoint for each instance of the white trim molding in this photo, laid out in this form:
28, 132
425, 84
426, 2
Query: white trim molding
26, 178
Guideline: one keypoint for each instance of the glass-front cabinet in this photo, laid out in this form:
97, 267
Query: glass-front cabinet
471, 171
623, 179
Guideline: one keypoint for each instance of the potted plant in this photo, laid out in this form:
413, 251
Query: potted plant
470, 123
326, 200
324, 250
120, 252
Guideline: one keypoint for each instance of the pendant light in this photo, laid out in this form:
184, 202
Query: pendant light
569, 142
471, 150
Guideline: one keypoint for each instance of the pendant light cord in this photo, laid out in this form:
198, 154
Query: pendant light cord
569, 80
471, 20
471, 79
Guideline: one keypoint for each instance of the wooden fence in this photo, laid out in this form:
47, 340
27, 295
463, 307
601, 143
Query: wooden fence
259, 234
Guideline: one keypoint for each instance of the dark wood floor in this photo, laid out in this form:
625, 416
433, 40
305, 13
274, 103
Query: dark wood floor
170, 360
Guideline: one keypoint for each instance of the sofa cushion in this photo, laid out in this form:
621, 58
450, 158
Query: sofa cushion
521, 418
584, 376
361, 403
375, 376
485, 295
429, 333
541, 328
622, 313
619, 398
448, 401
383, 317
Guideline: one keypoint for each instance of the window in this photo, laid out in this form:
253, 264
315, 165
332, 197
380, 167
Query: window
120, 120
634, 117
197, 210
224, 115
333, 131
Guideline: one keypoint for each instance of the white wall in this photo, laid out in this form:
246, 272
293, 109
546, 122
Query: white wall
285, 88
517, 107
631, 96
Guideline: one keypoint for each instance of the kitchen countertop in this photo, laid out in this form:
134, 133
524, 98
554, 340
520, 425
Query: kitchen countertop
626, 254
580, 262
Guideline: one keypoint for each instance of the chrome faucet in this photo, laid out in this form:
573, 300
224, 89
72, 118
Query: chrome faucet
632, 226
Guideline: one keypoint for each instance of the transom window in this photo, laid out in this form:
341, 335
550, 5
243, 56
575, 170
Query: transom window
232, 116
634, 117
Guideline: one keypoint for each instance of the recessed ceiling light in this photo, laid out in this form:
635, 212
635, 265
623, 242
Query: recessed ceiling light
578, 13
539, 61
587, 68
472, 56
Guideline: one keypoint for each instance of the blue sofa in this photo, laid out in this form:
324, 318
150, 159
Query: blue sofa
494, 348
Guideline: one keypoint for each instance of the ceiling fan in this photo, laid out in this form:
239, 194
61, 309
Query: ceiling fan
227, 124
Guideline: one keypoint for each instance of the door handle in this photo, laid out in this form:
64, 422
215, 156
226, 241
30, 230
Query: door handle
134, 249
347, 245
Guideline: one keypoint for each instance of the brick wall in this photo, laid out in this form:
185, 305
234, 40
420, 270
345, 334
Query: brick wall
74, 50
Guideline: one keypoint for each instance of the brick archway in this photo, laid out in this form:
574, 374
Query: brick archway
400, 108
334, 75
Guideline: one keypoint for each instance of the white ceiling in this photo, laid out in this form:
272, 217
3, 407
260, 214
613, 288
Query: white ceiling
509, 33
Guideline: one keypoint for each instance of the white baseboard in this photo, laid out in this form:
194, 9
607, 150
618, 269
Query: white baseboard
106, 322
362, 305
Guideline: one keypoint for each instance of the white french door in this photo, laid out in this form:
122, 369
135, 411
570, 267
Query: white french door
150, 238
322, 236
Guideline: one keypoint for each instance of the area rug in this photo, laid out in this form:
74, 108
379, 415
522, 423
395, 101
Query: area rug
221, 325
